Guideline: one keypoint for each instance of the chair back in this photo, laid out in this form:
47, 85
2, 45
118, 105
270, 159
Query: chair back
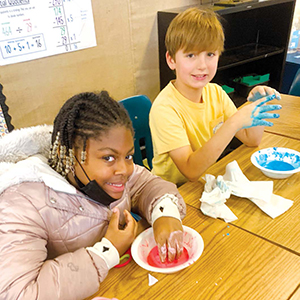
138, 108
295, 86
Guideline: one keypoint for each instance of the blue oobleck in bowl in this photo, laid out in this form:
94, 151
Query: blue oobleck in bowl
277, 162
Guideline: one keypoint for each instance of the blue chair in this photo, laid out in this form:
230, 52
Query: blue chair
295, 86
138, 108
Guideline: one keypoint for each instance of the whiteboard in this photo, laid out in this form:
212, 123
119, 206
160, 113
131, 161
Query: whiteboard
32, 29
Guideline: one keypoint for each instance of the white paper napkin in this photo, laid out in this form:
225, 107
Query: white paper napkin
234, 182
214, 197
241, 186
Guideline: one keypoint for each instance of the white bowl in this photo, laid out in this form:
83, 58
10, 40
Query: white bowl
144, 243
277, 162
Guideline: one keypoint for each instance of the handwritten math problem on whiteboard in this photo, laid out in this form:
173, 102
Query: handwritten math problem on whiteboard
32, 29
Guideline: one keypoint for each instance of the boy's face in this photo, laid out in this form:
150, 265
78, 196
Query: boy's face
193, 70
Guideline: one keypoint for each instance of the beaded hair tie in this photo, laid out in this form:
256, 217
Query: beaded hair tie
59, 160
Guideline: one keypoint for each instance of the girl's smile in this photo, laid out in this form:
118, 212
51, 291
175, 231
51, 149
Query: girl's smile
116, 187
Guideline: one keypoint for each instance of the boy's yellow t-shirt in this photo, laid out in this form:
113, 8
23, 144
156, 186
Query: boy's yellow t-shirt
176, 121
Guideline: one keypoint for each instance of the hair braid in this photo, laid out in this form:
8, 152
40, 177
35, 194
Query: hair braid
83, 116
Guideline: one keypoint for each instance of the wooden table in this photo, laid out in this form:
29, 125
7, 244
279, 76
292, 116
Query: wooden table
234, 265
254, 257
289, 122
296, 295
283, 230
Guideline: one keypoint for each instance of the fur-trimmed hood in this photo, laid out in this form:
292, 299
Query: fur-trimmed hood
23, 143
23, 157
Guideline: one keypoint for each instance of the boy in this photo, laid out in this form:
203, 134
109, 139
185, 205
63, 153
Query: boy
192, 120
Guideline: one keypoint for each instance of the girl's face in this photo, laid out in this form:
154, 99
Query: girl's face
109, 160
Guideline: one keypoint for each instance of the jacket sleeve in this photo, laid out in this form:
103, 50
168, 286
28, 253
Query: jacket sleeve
26, 273
146, 190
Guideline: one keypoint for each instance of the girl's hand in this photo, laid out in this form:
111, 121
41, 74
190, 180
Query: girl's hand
121, 238
261, 91
168, 234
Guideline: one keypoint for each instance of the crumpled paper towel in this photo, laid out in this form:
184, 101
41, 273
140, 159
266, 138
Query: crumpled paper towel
234, 182
214, 197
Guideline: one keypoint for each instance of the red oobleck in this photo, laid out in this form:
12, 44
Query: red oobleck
154, 260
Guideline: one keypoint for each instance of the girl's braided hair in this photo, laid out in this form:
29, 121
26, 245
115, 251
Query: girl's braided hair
83, 116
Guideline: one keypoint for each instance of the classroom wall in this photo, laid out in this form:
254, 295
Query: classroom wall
124, 62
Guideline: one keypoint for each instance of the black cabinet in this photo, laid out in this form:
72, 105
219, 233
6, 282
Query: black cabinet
256, 41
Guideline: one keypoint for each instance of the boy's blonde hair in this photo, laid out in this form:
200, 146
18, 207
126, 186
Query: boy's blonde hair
195, 29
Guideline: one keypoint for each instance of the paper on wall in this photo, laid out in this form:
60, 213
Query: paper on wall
32, 29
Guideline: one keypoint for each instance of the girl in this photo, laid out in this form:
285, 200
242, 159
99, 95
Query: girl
65, 222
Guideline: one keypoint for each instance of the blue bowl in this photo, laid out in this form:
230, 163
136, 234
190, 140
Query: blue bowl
277, 162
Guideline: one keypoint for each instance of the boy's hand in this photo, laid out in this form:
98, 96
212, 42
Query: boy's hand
254, 114
121, 239
168, 234
261, 91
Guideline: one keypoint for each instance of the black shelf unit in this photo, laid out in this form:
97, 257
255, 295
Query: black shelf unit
256, 41
246, 54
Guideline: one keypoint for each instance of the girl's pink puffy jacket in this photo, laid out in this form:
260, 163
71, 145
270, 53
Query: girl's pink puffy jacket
46, 224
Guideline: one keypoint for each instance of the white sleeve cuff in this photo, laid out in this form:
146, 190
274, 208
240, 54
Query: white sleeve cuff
166, 207
106, 250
